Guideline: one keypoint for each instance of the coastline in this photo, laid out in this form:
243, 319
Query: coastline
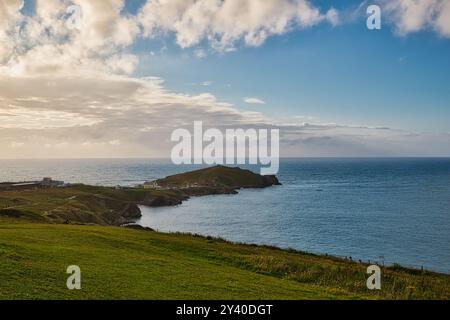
42, 228
120, 206
59, 202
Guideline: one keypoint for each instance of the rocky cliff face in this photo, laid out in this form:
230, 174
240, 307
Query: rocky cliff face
271, 181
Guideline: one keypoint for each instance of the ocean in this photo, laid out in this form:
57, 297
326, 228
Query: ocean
383, 210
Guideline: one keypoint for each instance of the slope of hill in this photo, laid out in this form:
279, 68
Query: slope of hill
121, 263
83, 204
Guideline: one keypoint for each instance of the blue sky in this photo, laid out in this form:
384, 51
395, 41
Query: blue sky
344, 74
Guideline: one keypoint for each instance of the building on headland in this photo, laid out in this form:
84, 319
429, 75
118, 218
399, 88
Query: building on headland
156, 185
152, 185
49, 182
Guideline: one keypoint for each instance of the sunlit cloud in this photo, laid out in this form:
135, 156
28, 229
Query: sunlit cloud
409, 16
254, 100
225, 24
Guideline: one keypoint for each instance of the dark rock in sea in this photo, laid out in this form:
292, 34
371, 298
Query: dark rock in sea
271, 180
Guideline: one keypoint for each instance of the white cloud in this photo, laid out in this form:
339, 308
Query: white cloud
24, 118
46, 43
122, 116
104, 113
122, 63
415, 15
254, 100
200, 53
9, 17
225, 23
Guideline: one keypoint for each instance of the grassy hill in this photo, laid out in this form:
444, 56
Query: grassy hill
121, 263
83, 204
220, 177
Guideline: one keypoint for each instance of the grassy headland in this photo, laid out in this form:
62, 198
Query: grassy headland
117, 206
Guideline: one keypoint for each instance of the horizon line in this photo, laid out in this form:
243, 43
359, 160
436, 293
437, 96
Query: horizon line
287, 157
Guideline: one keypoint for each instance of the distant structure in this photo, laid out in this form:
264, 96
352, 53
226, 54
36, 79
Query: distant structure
152, 185
49, 182
44, 183
156, 185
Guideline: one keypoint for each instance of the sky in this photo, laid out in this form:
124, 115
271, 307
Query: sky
117, 79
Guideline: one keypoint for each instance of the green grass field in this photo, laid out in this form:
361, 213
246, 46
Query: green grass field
121, 263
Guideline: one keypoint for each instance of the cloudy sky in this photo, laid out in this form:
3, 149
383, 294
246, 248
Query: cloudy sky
114, 78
